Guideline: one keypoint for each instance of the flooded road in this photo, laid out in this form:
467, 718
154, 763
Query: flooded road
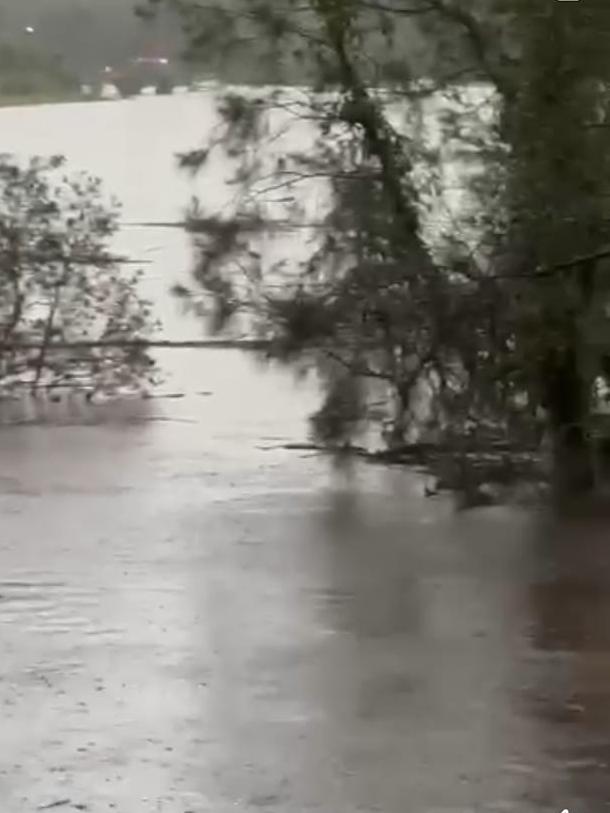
193, 619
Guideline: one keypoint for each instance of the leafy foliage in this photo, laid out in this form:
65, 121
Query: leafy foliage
474, 309
60, 284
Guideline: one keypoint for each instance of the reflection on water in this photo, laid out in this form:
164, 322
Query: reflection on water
190, 620
569, 605
65, 408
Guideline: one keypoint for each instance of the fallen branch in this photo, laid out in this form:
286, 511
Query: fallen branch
463, 471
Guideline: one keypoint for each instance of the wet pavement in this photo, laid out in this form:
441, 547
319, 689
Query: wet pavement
193, 619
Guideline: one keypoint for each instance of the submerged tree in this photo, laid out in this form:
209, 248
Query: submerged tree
61, 285
489, 314
558, 182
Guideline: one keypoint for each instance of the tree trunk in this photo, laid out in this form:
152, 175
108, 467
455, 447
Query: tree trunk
573, 473
566, 402
558, 180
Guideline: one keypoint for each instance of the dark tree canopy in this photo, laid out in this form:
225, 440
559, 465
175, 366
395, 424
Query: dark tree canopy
494, 315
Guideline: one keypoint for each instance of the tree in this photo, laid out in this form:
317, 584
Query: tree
558, 183
61, 286
488, 319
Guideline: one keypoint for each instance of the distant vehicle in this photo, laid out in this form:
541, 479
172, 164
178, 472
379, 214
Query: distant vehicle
140, 73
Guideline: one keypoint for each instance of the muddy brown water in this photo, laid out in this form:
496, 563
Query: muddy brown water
192, 619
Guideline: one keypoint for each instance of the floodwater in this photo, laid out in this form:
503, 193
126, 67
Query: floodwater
195, 619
